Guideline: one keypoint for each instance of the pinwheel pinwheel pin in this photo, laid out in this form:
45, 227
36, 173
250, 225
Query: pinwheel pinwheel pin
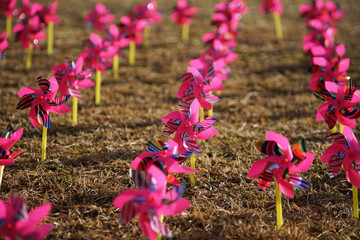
7, 7
339, 103
165, 156
345, 152
41, 102
99, 17
7, 140
276, 7
182, 15
151, 201
71, 77
282, 163
3, 45
17, 223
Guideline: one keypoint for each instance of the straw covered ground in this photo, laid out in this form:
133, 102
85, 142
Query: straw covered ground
87, 165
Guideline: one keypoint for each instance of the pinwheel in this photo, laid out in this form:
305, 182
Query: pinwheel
221, 33
148, 12
320, 34
48, 17
99, 17
17, 223
328, 69
41, 102
182, 15
282, 163
71, 77
219, 50
186, 126
7, 140
3, 44
345, 152
327, 12
114, 39
339, 103
230, 13
165, 156
276, 7
151, 202
96, 57
29, 34
132, 30
7, 7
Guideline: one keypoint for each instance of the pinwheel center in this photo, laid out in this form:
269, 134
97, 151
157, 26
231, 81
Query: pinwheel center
199, 85
41, 98
164, 153
152, 199
9, 227
285, 160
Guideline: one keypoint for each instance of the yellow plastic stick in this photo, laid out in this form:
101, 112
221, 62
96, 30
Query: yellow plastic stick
8, 26
161, 218
355, 202
132, 48
29, 57
333, 130
279, 217
185, 32
218, 93
192, 165
116, 66
50, 38
75, 111
201, 114
341, 129
278, 27
146, 37
43, 144
211, 111
1, 174
98, 87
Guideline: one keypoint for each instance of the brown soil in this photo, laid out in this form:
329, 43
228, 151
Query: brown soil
87, 165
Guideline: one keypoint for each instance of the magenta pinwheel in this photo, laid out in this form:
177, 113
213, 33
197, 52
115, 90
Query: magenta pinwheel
212, 71
7, 7
71, 77
132, 29
17, 223
344, 151
151, 201
99, 17
98, 54
327, 12
281, 163
195, 85
29, 32
221, 33
42, 101
147, 11
339, 103
320, 34
186, 126
273, 6
7, 140
3, 44
48, 14
219, 50
165, 156
183, 13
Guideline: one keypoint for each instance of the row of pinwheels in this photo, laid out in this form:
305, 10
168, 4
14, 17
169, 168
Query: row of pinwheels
330, 83
153, 169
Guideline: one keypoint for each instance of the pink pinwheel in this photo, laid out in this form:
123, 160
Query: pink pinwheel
98, 53
151, 201
7, 140
48, 14
113, 38
42, 101
327, 12
17, 223
147, 11
132, 29
165, 156
183, 13
29, 32
320, 35
187, 127
281, 163
221, 33
3, 44
28, 10
195, 85
273, 6
71, 77
212, 71
100, 18
344, 151
339, 103
219, 50
7, 7
328, 69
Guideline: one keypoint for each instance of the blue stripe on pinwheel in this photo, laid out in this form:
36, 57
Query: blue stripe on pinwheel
42, 116
190, 144
186, 77
175, 194
156, 146
61, 100
2, 222
269, 148
171, 126
330, 117
266, 176
25, 101
210, 74
8, 132
184, 108
352, 113
44, 85
298, 182
205, 124
335, 163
